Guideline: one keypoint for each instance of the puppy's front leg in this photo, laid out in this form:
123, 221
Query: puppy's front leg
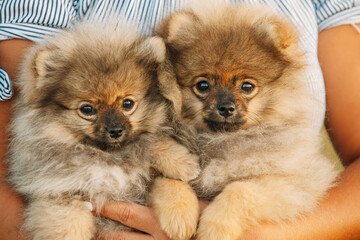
174, 160
245, 203
176, 206
59, 219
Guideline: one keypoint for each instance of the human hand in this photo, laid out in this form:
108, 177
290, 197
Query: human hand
143, 219
135, 216
138, 217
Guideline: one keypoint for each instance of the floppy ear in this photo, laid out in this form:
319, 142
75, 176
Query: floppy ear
178, 29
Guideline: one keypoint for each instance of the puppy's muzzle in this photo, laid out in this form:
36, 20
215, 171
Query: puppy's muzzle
226, 109
114, 131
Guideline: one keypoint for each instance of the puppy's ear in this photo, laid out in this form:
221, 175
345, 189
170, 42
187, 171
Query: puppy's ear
151, 50
40, 64
34, 71
169, 87
282, 33
179, 29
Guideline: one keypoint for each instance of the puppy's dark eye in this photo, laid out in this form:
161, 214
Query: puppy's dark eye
128, 104
203, 86
247, 87
88, 110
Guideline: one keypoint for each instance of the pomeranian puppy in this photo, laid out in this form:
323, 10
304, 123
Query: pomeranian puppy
238, 83
87, 124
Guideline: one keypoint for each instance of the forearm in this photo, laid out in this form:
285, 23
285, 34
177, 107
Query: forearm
339, 57
10, 203
11, 52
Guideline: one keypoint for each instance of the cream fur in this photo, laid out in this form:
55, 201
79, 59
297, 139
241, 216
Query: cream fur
54, 162
271, 167
177, 209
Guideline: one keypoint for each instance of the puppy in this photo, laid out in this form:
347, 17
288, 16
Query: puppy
87, 126
238, 85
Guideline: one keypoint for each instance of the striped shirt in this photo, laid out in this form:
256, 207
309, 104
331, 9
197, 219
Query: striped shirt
36, 19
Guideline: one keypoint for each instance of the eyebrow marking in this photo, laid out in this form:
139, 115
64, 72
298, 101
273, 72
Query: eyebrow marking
228, 77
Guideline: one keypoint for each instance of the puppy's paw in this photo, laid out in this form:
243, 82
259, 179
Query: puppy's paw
189, 167
216, 230
176, 206
180, 222
220, 221
59, 219
175, 161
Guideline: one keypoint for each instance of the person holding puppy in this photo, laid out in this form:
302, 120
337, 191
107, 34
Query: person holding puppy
338, 48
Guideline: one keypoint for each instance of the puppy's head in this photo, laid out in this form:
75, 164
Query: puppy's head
236, 66
96, 85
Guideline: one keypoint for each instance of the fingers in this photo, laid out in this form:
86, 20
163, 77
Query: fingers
132, 215
136, 216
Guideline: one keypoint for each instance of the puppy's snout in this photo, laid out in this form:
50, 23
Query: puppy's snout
226, 109
114, 131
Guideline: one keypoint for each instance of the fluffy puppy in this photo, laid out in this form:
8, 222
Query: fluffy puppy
85, 123
238, 82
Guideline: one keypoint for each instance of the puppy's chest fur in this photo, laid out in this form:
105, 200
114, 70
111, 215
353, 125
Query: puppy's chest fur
55, 169
225, 158
59, 172
119, 176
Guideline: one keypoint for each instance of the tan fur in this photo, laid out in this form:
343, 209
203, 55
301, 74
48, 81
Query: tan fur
178, 206
260, 158
62, 153
58, 220
183, 164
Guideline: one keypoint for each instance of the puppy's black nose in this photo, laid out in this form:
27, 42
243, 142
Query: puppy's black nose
114, 131
226, 109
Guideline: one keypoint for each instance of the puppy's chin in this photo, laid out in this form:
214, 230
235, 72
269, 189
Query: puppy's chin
224, 126
217, 123
104, 145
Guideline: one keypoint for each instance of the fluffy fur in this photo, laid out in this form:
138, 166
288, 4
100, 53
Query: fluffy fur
238, 85
88, 118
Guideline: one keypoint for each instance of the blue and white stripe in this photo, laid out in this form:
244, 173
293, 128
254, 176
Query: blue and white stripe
336, 12
5, 86
32, 19
36, 19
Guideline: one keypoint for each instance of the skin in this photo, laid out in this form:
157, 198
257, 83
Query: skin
338, 215
11, 52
